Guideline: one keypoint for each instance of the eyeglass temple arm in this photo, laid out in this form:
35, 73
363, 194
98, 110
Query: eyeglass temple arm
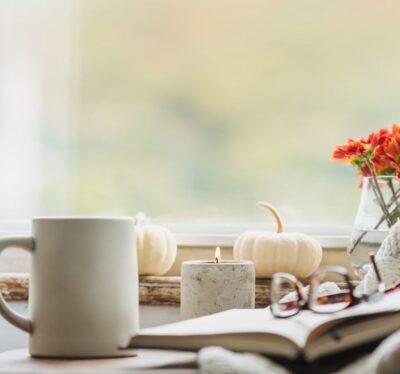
375, 266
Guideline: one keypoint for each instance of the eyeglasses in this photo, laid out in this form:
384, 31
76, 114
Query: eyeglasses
317, 301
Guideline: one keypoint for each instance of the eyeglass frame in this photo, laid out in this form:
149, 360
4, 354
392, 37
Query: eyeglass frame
355, 297
304, 302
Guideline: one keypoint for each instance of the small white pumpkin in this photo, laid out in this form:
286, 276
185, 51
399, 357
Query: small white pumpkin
156, 247
294, 253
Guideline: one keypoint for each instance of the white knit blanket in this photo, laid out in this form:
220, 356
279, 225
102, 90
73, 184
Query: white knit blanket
388, 262
216, 360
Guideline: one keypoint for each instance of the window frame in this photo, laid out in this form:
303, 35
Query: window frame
329, 236
338, 242
333, 239
224, 235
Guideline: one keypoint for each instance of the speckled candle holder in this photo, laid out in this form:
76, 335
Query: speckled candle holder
208, 287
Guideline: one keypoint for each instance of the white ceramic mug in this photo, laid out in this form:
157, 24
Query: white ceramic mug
83, 289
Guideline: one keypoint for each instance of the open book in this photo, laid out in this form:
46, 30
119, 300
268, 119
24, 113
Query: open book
307, 334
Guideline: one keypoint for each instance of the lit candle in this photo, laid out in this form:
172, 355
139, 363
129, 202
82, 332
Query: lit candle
214, 286
217, 257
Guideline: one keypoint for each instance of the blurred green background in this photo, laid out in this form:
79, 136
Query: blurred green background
192, 111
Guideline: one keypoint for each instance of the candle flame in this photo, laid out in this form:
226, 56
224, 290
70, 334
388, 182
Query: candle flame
217, 258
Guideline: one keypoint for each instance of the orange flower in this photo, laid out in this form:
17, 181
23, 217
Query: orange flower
386, 150
382, 162
378, 138
351, 152
389, 155
378, 153
392, 149
395, 129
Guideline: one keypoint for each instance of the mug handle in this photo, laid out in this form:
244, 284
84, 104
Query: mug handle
16, 319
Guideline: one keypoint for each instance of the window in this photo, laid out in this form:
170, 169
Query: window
190, 111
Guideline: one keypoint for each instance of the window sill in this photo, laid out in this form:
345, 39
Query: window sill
201, 244
224, 235
331, 237
329, 242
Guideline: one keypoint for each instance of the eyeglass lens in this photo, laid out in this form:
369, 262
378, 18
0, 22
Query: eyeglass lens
323, 301
284, 298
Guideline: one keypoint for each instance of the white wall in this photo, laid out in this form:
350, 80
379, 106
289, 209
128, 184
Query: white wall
12, 338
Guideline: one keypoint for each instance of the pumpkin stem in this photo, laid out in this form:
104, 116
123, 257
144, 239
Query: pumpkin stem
275, 213
139, 219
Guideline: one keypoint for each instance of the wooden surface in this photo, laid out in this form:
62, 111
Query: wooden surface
15, 287
160, 290
147, 361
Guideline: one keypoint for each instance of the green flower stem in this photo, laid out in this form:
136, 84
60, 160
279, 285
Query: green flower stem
390, 184
378, 193
393, 200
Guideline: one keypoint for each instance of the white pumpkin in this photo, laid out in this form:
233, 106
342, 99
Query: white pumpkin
156, 247
294, 253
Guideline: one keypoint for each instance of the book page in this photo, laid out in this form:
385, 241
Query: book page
352, 333
238, 321
385, 304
